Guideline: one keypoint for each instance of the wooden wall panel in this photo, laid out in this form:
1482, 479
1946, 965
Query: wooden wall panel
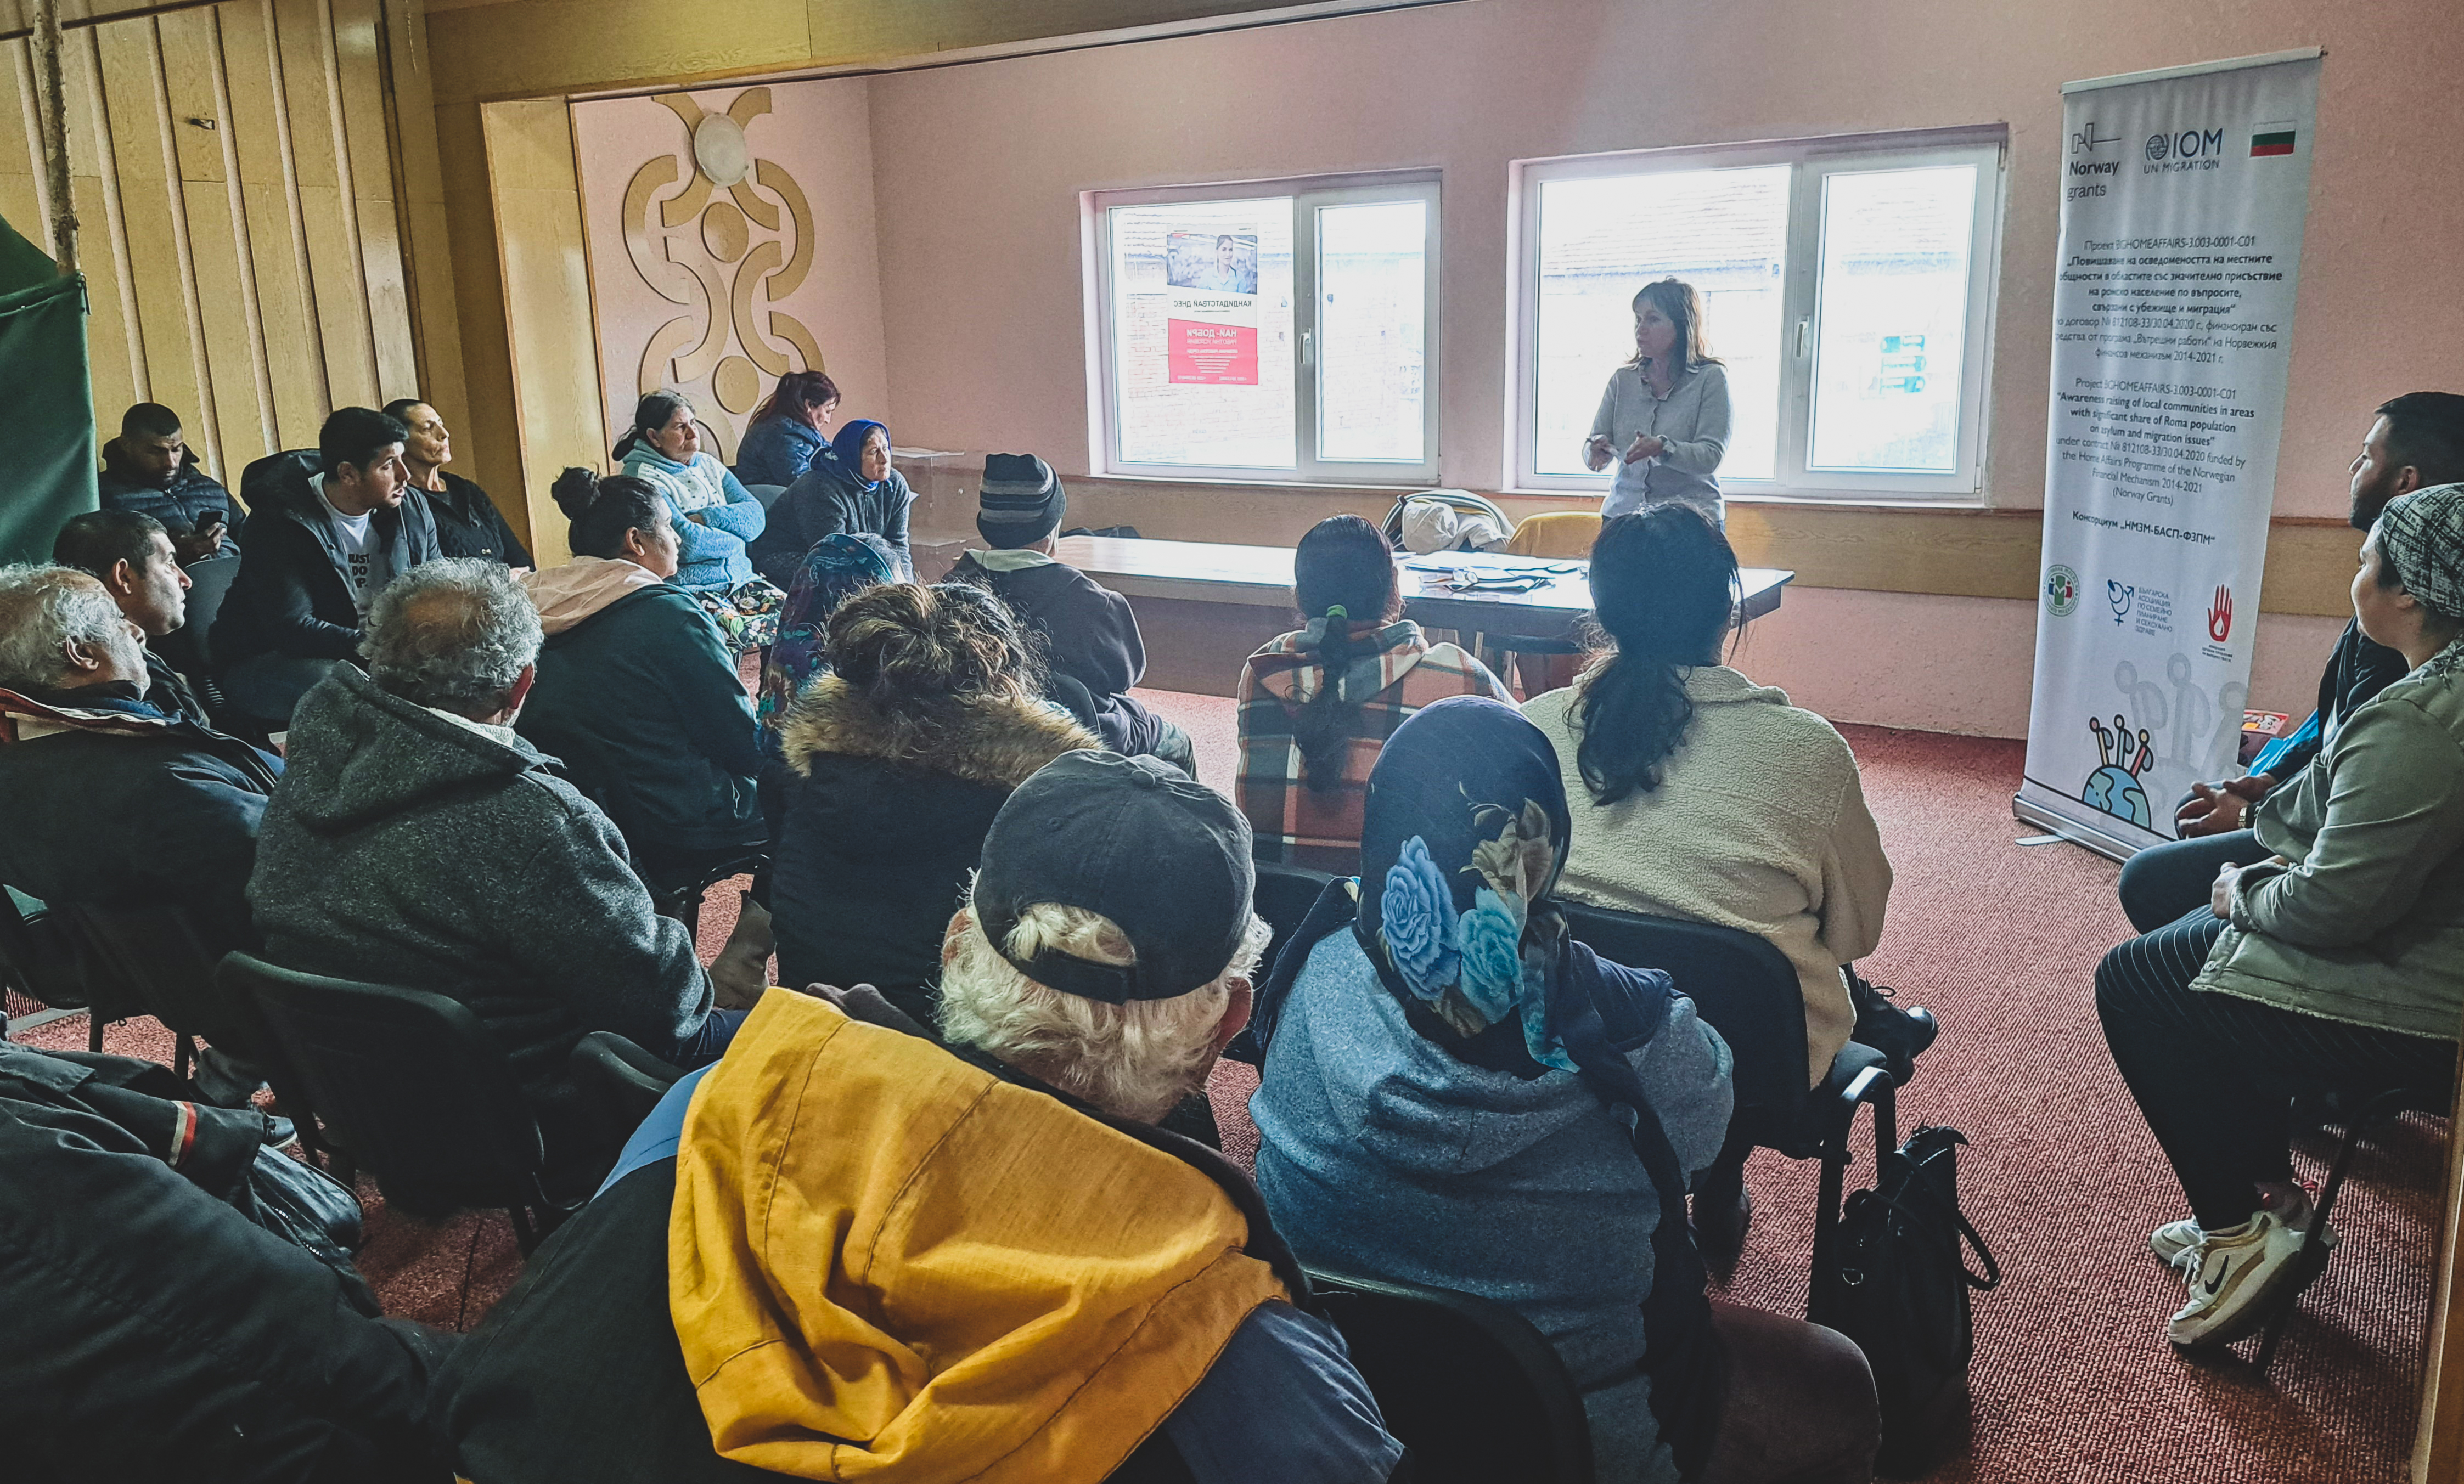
240, 225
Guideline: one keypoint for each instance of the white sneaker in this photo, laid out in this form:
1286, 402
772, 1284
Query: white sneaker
2236, 1277
2176, 1237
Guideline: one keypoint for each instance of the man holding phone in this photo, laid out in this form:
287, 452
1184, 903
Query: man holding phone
149, 469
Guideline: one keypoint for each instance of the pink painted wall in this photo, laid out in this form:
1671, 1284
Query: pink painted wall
979, 170
820, 133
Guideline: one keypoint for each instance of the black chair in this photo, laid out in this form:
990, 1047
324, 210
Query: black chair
1747, 990
411, 1085
157, 954
47, 957
1283, 897
190, 647
626, 1080
2379, 1110
1466, 1383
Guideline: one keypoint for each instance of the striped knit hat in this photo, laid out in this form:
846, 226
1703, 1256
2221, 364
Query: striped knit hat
1021, 502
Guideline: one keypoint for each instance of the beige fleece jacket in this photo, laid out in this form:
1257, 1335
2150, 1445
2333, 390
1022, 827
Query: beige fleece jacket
1759, 824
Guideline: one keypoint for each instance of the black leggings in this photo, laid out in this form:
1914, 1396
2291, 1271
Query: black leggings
2213, 1074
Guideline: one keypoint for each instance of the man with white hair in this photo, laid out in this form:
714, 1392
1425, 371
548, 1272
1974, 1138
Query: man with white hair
108, 796
847, 1250
416, 840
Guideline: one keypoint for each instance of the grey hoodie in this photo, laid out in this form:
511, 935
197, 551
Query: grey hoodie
404, 847
1381, 1153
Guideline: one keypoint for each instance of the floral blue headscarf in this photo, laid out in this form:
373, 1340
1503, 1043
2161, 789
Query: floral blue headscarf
849, 446
839, 566
1464, 833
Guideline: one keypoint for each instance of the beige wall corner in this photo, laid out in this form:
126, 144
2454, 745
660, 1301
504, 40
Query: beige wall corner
553, 364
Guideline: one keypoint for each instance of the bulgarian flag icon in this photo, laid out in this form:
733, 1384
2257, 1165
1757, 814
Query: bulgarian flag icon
2272, 138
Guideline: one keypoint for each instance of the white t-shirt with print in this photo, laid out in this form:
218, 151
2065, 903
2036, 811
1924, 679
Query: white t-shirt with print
357, 536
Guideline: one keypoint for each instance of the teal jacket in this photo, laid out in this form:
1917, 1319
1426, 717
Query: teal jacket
2366, 924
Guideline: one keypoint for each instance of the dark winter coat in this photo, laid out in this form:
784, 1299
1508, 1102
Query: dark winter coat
1091, 635
154, 1333
191, 497
777, 452
293, 593
404, 847
827, 499
642, 701
110, 801
881, 831
468, 524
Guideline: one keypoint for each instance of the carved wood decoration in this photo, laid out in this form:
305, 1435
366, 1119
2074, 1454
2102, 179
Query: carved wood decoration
718, 247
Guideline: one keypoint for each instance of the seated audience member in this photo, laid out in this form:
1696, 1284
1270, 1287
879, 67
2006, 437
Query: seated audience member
787, 428
1701, 794
1088, 631
898, 760
468, 523
715, 518
1456, 1093
2416, 441
322, 548
995, 1323
416, 840
131, 555
2331, 961
835, 570
149, 469
637, 691
154, 1332
1317, 705
109, 796
850, 486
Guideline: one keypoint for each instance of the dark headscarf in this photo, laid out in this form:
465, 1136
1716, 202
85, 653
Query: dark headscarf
1463, 838
848, 448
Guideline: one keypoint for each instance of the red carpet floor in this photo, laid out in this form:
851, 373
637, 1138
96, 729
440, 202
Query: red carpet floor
2073, 1380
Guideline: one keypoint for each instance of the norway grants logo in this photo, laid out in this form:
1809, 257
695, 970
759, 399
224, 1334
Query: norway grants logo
2220, 614
2062, 591
2114, 786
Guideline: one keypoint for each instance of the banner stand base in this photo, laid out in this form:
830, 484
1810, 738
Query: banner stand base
2112, 847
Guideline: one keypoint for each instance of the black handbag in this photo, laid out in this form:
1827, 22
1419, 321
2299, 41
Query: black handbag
1899, 1284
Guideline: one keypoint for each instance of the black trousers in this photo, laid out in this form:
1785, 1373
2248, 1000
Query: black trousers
2163, 883
2214, 1074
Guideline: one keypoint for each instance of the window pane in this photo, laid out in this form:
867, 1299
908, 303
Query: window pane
1373, 310
1891, 319
1202, 327
1723, 231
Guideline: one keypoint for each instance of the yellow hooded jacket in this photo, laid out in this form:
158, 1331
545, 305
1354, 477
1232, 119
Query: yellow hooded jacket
888, 1264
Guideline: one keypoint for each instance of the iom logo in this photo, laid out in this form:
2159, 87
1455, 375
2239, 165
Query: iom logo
2188, 144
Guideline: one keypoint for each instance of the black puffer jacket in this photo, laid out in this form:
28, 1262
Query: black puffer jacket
293, 593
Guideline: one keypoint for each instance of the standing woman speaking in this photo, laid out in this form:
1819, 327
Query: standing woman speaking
1663, 421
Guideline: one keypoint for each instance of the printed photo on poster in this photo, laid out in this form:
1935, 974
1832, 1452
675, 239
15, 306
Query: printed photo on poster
1213, 307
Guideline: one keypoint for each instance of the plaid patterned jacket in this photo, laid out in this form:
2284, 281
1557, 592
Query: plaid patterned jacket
1294, 823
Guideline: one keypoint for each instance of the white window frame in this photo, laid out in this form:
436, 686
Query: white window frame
1814, 160
1308, 194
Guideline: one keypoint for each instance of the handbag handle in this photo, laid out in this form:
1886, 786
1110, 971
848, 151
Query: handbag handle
1968, 1233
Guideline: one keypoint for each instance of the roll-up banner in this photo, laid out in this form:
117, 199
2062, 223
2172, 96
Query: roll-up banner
2184, 193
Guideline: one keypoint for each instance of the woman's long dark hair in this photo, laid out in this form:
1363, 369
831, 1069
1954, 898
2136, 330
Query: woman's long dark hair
649, 415
799, 395
603, 509
1663, 593
1344, 573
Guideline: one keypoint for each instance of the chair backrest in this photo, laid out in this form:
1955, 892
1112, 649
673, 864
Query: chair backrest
209, 584
158, 952
1743, 986
765, 495
45, 956
408, 1081
1466, 1383
627, 1081
1283, 896
1559, 535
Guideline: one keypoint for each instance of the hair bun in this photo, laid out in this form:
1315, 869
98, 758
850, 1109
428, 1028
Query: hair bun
575, 491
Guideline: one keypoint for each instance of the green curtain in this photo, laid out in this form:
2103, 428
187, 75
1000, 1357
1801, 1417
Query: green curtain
51, 462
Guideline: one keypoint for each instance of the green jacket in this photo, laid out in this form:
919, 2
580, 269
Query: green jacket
2366, 926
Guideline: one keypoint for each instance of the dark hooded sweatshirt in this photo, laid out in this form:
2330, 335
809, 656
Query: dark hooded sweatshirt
405, 847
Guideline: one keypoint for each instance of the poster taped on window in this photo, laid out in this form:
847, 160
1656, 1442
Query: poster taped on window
1212, 307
